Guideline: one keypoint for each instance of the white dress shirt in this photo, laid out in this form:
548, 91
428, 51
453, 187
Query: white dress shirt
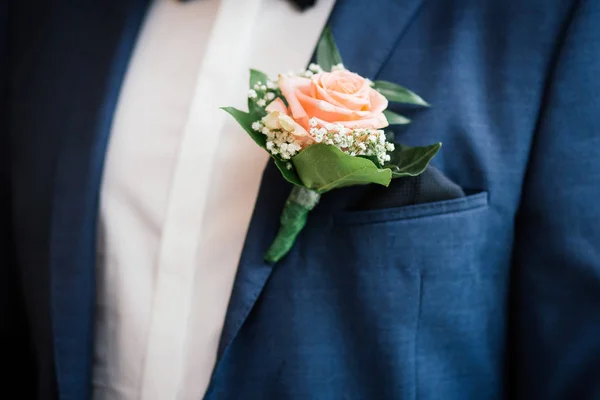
179, 187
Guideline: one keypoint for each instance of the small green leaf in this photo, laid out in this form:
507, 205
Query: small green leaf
256, 77
328, 54
411, 161
395, 119
290, 175
390, 136
323, 167
398, 94
245, 120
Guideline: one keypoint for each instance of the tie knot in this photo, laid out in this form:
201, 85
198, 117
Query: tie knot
304, 4
301, 4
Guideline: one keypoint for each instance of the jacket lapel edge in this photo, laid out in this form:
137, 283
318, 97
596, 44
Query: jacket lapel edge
74, 210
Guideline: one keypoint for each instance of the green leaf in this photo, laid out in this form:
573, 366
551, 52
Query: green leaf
290, 175
328, 54
390, 136
323, 167
373, 159
398, 94
245, 120
256, 76
395, 119
411, 161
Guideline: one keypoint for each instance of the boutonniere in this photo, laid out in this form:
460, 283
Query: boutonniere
324, 129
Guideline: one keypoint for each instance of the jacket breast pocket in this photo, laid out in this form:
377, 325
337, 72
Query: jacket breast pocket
441, 208
448, 249
439, 238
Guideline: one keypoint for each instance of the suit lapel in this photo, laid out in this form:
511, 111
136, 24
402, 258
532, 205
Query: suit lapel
95, 40
366, 32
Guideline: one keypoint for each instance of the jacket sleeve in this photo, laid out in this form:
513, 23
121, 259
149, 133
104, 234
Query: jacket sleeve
556, 307
16, 355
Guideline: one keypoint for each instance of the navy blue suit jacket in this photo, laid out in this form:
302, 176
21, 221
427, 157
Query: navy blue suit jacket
493, 295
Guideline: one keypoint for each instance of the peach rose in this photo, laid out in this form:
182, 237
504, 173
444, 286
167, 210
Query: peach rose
338, 97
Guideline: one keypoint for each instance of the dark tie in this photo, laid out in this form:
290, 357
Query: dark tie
301, 4
304, 4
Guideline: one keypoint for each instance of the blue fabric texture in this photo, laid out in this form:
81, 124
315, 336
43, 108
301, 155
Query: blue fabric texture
67, 63
492, 294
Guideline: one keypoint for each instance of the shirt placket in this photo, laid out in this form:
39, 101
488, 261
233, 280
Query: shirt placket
176, 265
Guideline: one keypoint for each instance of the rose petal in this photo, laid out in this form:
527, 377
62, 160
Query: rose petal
271, 120
377, 121
289, 88
343, 81
378, 101
351, 102
292, 126
277, 105
327, 111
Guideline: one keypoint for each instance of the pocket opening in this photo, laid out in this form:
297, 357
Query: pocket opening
425, 210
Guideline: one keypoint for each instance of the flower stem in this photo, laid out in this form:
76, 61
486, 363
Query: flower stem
293, 219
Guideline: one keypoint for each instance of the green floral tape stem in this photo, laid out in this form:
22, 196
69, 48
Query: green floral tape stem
293, 219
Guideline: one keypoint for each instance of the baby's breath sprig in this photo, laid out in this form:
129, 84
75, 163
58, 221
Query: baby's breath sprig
354, 142
279, 142
262, 93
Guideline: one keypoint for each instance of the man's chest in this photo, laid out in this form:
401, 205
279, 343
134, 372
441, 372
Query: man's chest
484, 85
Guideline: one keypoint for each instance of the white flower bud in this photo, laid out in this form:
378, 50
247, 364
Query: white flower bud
292, 126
